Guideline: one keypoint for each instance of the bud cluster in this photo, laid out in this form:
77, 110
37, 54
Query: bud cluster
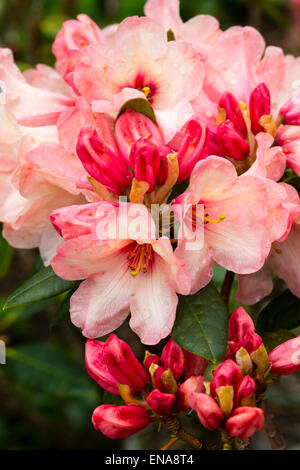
172, 383
151, 392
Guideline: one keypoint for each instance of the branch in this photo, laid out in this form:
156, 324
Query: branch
173, 425
226, 287
169, 443
274, 434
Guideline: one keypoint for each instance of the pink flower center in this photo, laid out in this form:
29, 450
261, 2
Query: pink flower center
140, 258
146, 86
204, 218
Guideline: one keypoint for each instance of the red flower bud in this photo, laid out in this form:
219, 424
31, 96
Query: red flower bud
227, 373
233, 112
123, 365
245, 394
173, 358
285, 359
117, 422
132, 126
97, 367
209, 413
145, 162
163, 171
191, 385
211, 146
161, 403
194, 364
241, 332
191, 148
101, 161
245, 421
259, 105
232, 142
152, 359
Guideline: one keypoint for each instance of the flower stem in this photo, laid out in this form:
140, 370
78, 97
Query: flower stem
173, 425
274, 434
228, 441
190, 439
170, 443
226, 287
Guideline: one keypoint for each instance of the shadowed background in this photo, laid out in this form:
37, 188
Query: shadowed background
46, 397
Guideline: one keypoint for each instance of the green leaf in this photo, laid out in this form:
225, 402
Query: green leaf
283, 312
43, 285
201, 323
274, 338
13, 315
45, 368
139, 105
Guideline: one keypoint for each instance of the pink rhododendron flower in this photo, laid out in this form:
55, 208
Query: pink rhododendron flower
281, 259
140, 63
232, 205
75, 35
201, 31
135, 273
30, 106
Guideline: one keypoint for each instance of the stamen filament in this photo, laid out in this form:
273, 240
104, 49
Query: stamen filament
138, 268
214, 221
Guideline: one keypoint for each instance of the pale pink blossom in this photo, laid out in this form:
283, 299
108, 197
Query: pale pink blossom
38, 175
141, 63
248, 65
282, 258
135, 273
74, 36
238, 214
30, 105
201, 30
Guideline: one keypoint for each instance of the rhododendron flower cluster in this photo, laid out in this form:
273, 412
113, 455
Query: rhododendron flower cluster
147, 156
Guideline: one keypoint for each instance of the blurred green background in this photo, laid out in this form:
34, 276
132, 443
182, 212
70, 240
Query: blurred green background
46, 397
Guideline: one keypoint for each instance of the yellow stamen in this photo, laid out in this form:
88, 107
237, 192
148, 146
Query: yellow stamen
138, 268
278, 251
146, 90
214, 221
